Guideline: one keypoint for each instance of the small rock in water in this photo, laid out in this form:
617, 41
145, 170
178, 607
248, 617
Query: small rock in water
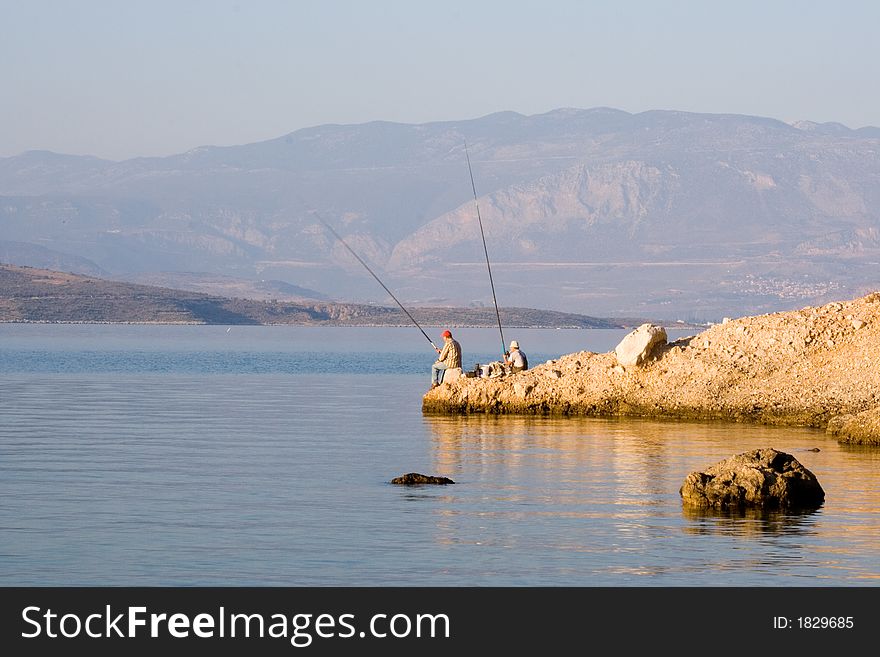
764, 478
413, 478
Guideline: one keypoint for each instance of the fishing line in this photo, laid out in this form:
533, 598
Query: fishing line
485, 250
350, 250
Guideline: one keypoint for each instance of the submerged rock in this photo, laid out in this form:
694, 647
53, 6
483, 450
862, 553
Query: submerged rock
414, 478
762, 478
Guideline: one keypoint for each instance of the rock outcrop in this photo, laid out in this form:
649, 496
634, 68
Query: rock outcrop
762, 478
859, 429
801, 367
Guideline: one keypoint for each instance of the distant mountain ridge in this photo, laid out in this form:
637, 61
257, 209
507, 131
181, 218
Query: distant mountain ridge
597, 211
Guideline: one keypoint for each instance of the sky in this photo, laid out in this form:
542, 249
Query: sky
126, 78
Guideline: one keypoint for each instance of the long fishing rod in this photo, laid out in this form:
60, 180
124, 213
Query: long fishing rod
350, 250
485, 250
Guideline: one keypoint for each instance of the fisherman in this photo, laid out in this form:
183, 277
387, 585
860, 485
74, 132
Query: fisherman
449, 357
515, 359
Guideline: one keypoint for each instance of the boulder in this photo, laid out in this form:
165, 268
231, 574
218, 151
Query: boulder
762, 478
414, 478
637, 347
451, 374
859, 429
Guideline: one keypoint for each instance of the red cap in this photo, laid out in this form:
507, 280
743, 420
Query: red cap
446, 334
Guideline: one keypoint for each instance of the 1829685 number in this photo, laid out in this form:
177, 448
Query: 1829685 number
825, 622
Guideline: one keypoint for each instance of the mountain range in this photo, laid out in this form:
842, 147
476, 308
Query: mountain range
596, 212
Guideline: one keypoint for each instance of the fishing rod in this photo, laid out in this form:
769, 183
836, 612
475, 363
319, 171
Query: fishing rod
350, 250
485, 250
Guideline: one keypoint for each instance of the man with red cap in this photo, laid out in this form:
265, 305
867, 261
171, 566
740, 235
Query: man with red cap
450, 357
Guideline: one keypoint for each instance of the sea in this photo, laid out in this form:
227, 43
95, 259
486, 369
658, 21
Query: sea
178, 455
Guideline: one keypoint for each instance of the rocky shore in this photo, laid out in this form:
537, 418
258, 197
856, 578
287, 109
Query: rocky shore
817, 367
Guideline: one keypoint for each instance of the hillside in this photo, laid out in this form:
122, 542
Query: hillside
38, 295
817, 366
597, 211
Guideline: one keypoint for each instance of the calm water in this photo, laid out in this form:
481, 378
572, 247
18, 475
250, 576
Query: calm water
185, 455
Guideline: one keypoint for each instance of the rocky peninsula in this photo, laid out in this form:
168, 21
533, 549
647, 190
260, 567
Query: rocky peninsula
815, 367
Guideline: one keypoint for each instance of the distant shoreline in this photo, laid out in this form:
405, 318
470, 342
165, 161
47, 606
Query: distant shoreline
450, 325
30, 295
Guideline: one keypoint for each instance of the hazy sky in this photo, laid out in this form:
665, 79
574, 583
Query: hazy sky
122, 78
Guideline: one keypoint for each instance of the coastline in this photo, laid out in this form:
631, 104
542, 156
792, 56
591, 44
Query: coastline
815, 367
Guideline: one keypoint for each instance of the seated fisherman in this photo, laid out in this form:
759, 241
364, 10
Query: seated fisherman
450, 357
515, 359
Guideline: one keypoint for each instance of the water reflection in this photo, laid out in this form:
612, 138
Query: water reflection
642, 461
748, 522
515, 442
605, 492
